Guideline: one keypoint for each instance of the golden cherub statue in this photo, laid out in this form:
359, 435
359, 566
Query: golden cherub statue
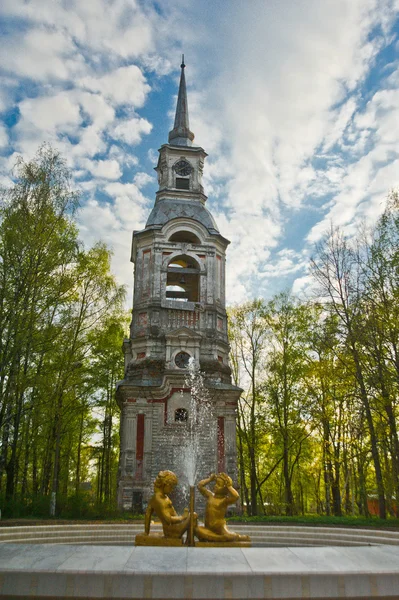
223, 495
174, 526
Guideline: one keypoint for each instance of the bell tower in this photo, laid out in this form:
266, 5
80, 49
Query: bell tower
178, 313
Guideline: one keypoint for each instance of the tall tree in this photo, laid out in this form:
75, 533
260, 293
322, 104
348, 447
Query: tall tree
248, 335
329, 385
380, 274
106, 369
336, 270
38, 241
288, 324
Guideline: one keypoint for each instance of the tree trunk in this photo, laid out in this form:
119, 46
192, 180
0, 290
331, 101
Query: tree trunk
78, 458
57, 451
288, 497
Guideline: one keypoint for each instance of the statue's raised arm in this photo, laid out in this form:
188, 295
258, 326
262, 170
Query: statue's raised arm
215, 529
204, 482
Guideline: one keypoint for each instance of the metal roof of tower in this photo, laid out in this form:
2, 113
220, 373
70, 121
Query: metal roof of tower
181, 134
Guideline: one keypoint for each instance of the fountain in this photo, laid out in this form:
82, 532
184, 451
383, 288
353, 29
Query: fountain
214, 532
200, 424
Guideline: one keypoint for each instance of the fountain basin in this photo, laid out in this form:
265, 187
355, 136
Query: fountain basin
60, 571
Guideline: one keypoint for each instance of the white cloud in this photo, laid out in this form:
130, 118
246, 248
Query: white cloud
73, 121
126, 85
42, 54
251, 240
120, 28
131, 130
304, 285
105, 169
128, 191
3, 136
50, 114
282, 120
142, 179
339, 120
122, 157
159, 64
286, 262
367, 180
152, 156
113, 222
99, 112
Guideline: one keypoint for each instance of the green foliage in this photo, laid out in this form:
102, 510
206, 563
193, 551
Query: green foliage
248, 332
61, 329
81, 506
317, 427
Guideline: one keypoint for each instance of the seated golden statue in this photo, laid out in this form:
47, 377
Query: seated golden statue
174, 526
223, 494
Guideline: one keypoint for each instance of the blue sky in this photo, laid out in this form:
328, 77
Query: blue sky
295, 101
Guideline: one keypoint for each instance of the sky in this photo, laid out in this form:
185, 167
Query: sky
296, 103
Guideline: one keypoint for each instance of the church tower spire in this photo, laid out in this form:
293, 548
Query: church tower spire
178, 318
181, 134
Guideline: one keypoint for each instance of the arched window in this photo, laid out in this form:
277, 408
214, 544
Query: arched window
184, 237
181, 415
182, 281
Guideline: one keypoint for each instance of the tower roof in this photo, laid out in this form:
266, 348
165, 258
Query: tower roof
172, 208
181, 134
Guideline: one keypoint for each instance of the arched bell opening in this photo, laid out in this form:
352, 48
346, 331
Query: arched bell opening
176, 292
184, 237
182, 282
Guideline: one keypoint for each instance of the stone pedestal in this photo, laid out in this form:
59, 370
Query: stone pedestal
156, 539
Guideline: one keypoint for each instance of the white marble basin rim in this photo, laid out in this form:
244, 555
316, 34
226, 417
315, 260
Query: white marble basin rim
43, 571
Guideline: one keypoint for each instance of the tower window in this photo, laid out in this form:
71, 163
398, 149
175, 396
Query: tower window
182, 184
182, 281
181, 415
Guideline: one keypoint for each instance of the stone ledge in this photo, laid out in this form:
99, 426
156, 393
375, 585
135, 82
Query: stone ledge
215, 587
91, 572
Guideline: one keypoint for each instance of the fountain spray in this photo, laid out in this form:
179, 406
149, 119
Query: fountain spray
199, 431
192, 509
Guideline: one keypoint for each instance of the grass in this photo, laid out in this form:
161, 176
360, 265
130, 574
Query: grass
46, 520
320, 520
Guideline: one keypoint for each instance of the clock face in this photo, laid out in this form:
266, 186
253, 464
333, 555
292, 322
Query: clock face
181, 360
183, 168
